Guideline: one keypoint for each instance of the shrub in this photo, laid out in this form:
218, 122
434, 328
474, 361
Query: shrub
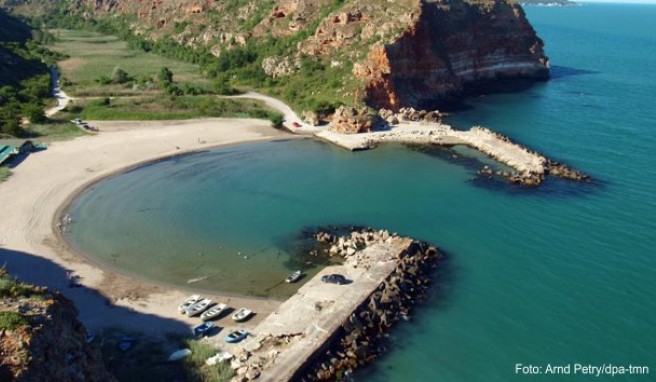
165, 75
34, 113
12, 320
276, 120
120, 76
104, 80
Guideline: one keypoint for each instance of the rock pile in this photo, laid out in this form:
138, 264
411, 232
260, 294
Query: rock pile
362, 338
349, 120
563, 171
411, 115
347, 246
311, 118
248, 367
543, 165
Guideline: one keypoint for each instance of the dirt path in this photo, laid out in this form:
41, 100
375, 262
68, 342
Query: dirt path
62, 98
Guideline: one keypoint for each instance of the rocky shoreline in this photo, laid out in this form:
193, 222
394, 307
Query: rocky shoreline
326, 331
363, 337
529, 177
420, 127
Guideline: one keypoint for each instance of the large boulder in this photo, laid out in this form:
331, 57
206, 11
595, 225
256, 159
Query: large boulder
311, 118
349, 120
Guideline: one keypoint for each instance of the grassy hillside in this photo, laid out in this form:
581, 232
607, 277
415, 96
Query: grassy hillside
92, 55
17, 62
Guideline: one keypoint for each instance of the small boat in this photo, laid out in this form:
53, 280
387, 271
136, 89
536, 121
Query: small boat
198, 307
188, 302
179, 354
236, 336
213, 313
242, 314
218, 357
293, 277
202, 329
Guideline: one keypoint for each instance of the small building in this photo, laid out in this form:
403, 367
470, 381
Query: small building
12, 147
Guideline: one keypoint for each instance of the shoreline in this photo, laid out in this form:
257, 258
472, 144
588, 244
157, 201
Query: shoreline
65, 207
34, 249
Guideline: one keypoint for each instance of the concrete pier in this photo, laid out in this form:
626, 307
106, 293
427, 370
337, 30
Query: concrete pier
530, 166
288, 339
482, 139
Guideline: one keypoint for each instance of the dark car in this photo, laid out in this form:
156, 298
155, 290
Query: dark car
334, 279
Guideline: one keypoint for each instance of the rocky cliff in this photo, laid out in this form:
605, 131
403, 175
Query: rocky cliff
417, 53
41, 338
453, 48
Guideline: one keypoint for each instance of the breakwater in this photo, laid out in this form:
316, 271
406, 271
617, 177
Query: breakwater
327, 330
530, 168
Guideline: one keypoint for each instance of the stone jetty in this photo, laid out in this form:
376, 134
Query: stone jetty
530, 168
326, 330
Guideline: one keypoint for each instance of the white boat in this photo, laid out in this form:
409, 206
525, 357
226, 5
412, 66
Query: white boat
188, 302
242, 314
179, 354
293, 277
213, 313
198, 307
218, 357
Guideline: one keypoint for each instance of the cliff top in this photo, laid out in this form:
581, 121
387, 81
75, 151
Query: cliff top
318, 55
41, 338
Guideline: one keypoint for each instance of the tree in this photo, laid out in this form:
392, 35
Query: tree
11, 127
120, 76
165, 76
34, 113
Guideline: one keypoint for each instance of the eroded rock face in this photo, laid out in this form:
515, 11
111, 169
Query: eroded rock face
404, 53
280, 66
349, 120
454, 48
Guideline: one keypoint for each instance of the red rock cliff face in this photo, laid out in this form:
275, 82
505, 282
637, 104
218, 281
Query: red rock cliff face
454, 47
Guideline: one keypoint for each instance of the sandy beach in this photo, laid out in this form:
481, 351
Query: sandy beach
45, 181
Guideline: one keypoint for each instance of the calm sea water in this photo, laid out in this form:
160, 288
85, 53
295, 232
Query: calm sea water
561, 275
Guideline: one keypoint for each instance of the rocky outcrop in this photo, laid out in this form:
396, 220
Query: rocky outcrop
349, 120
454, 48
280, 66
45, 341
409, 114
405, 53
363, 336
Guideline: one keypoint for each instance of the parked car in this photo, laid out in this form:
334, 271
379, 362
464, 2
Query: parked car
334, 279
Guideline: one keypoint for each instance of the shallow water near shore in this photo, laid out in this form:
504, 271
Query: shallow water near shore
561, 275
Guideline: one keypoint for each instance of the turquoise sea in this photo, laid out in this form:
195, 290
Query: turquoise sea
561, 275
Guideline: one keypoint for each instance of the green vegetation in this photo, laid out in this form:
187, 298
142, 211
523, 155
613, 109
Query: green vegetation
316, 85
92, 67
24, 75
197, 368
146, 360
12, 320
5, 173
59, 129
12, 288
183, 107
